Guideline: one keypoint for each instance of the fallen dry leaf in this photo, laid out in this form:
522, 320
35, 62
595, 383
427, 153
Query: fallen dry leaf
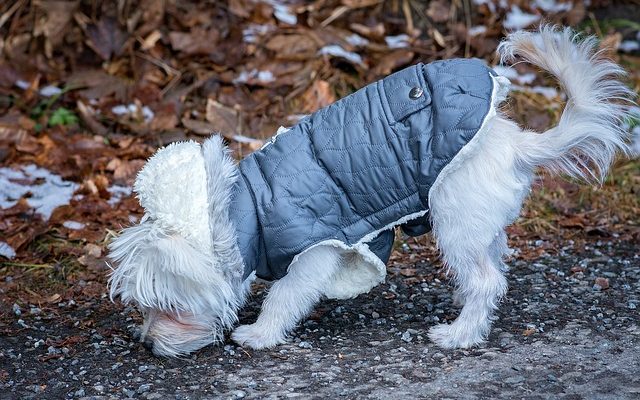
319, 94
106, 38
199, 41
221, 117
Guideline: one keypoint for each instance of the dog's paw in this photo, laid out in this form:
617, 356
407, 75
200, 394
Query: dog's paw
256, 337
453, 337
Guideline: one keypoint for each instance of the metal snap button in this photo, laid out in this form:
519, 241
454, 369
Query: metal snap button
416, 93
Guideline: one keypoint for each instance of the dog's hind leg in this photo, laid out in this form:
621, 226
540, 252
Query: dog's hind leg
291, 298
480, 285
470, 207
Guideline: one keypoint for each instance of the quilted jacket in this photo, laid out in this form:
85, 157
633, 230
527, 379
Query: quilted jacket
353, 170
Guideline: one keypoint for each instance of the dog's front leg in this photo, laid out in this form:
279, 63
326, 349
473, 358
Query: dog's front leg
291, 299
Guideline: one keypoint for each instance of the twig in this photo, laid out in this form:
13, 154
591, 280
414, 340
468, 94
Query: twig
406, 10
467, 20
25, 265
337, 13
169, 70
596, 26
6, 16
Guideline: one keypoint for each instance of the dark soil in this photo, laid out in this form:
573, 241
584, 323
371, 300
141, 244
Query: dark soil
559, 335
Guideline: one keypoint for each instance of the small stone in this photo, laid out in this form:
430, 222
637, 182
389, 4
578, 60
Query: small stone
16, 309
631, 306
145, 387
143, 368
79, 393
406, 336
98, 388
601, 284
239, 394
128, 392
375, 315
305, 345
513, 380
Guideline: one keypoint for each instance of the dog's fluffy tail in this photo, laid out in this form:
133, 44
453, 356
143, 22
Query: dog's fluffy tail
589, 134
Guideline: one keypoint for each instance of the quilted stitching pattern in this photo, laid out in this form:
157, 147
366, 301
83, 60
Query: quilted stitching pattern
358, 165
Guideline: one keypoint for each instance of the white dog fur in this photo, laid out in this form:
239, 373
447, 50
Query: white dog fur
181, 268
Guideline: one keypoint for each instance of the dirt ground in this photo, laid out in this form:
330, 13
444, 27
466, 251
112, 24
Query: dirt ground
559, 335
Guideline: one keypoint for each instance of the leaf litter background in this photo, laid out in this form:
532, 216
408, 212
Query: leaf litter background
89, 89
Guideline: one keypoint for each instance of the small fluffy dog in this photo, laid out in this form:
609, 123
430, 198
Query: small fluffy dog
315, 209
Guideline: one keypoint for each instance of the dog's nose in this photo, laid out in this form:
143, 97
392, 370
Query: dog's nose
147, 343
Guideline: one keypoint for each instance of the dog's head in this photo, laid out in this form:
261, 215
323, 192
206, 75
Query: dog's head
180, 265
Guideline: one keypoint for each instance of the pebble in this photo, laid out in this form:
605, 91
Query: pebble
513, 380
145, 387
601, 284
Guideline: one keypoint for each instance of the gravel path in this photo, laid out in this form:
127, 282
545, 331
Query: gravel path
568, 329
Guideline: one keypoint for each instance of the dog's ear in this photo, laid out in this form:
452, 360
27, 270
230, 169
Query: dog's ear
222, 173
164, 271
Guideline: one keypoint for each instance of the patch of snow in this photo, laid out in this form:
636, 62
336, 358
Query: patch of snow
518, 19
477, 30
132, 109
7, 251
250, 33
513, 75
49, 91
282, 12
254, 74
356, 40
48, 191
117, 193
551, 6
245, 139
338, 51
266, 76
629, 46
397, 42
24, 85
76, 226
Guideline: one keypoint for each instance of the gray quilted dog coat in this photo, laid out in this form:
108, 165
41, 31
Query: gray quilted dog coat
347, 174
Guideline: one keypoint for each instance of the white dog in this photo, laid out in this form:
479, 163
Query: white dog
186, 270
